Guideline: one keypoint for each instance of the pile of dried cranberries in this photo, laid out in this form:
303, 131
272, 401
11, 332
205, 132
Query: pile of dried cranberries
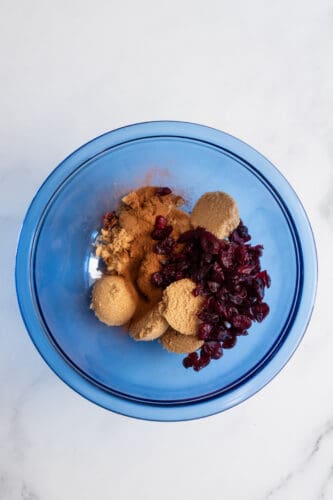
227, 274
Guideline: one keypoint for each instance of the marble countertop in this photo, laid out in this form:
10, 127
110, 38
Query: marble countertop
259, 70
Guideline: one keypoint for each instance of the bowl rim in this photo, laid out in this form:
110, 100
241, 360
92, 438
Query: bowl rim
24, 255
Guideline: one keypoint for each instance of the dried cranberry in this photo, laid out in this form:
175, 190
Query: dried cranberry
240, 234
162, 191
217, 353
157, 279
229, 342
165, 247
109, 220
265, 277
241, 321
235, 299
227, 257
241, 254
259, 287
207, 258
230, 312
210, 346
217, 273
220, 333
257, 250
220, 307
246, 269
208, 317
160, 222
202, 362
198, 290
161, 234
209, 243
213, 286
260, 311
187, 363
201, 273
204, 331
190, 359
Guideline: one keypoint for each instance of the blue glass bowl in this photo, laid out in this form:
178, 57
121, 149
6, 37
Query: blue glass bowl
56, 267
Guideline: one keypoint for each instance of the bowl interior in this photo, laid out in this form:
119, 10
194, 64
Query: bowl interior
65, 267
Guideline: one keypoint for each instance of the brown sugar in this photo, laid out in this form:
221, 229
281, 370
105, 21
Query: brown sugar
181, 344
217, 212
113, 247
180, 307
150, 326
114, 300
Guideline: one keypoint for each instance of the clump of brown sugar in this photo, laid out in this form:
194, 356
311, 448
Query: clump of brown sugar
180, 306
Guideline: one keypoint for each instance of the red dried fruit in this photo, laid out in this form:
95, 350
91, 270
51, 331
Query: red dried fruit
190, 359
241, 321
199, 290
109, 220
259, 288
202, 362
209, 243
265, 277
216, 273
161, 234
162, 191
246, 269
240, 234
204, 331
227, 257
165, 247
220, 333
217, 353
210, 347
208, 317
213, 286
157, 279
260, 311
229, 342
160, 222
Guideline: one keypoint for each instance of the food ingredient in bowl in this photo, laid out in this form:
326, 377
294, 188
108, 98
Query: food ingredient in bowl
114, 300
180, 306
181, 344
150, 264
113, 248
150, 326
195, 281
217, 212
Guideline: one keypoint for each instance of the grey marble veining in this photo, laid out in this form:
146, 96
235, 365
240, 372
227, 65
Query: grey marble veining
305, 466
259, 70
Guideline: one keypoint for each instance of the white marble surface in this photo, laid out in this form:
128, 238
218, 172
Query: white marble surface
261, 70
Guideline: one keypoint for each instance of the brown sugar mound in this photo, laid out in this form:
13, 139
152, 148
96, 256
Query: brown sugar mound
141, 207
150, 326
217, 212
181, 344
114, 248
114, 300
180, 307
